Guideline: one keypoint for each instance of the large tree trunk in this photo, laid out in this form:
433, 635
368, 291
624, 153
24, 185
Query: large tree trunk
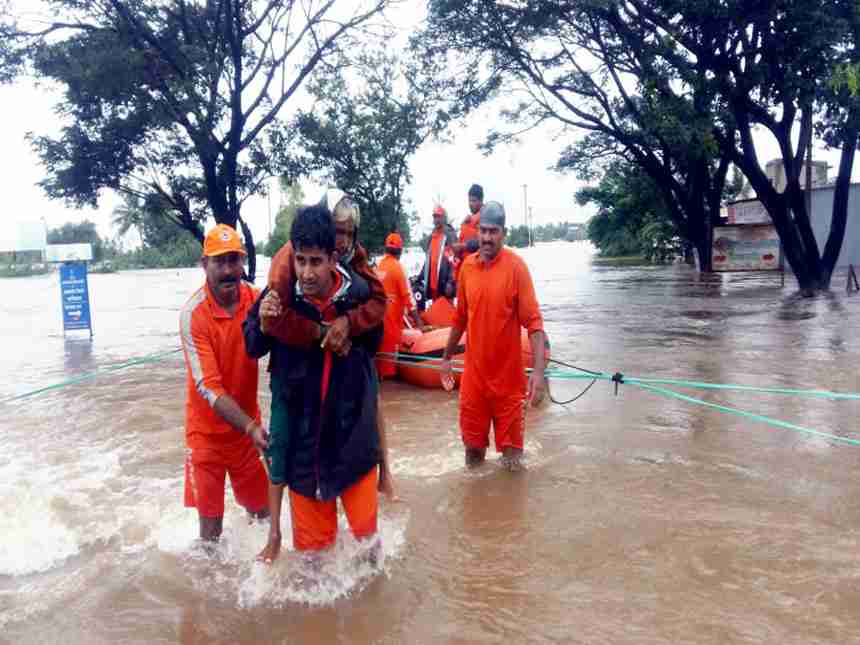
252, 250
795, 233
839, 216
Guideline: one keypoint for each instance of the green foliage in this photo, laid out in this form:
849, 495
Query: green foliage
366, 123
519, 236
549, 53
23, 270
78, 233
181, 250
632, 218
162, 242
284, 219
174, 99
677, 87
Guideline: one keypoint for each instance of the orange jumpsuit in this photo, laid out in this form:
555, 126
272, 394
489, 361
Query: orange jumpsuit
495, 299
469, 230
217, 364
394, 282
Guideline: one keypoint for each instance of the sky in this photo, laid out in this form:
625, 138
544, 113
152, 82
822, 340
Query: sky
440, 170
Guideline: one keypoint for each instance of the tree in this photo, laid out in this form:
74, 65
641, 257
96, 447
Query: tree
368, 119
177, 99
81, 233
284, 218
679, 87
632, 217
773, 65
568, 65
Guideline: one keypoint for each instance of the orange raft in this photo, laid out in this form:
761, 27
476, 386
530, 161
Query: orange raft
420, 354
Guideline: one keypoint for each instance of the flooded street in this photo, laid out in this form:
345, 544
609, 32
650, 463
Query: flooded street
641, 519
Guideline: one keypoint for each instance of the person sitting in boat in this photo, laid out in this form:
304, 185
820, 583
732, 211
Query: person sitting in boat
400, 303
468, 240
325, 446
437, 274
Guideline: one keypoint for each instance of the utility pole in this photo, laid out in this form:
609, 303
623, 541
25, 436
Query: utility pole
525, 205
531, 228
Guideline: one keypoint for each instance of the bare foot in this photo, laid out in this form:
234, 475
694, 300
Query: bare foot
271, 551
513, 463
386, 487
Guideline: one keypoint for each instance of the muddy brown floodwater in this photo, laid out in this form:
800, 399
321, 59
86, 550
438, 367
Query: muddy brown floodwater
641, 519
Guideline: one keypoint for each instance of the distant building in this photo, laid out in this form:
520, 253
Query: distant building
775, 171
751, 211
23, 244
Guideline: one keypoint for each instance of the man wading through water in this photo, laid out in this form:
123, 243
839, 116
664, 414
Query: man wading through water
222, 417
324, 441
286, 326
495, 297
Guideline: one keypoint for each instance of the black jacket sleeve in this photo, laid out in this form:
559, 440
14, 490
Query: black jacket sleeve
257, 344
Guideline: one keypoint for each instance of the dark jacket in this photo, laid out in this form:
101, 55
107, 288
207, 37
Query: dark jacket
333, 445
444, 267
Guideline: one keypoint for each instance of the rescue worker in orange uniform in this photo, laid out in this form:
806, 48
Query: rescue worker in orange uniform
469, 229
400, 303
222, 417
437, 274
495, 297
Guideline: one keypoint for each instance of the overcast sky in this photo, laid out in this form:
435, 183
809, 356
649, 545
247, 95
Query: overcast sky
444, 170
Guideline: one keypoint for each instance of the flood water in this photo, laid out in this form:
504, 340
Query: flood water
640, 518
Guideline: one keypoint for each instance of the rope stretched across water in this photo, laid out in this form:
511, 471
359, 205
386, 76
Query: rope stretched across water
149, 358
569, 373
651, 385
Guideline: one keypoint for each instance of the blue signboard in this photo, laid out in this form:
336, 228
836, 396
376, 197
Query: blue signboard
75, 296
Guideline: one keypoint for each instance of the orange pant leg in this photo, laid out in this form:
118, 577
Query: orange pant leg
509, 421
475, 416
314, 522
361, 505
248, 478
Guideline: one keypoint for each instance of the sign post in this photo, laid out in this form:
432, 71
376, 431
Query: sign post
75, 297
74, 289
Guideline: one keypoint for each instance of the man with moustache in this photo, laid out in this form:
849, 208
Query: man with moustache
495, 297
222, 417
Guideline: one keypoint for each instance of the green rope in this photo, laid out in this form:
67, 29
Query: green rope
570, 374
564, 374
649, 384
149, 358
423, 362
748, 415
823, 394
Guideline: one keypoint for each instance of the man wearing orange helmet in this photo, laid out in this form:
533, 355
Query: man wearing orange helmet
400, 302
223, 429
437, 274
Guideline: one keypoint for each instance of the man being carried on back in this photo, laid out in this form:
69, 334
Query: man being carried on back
327, 445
